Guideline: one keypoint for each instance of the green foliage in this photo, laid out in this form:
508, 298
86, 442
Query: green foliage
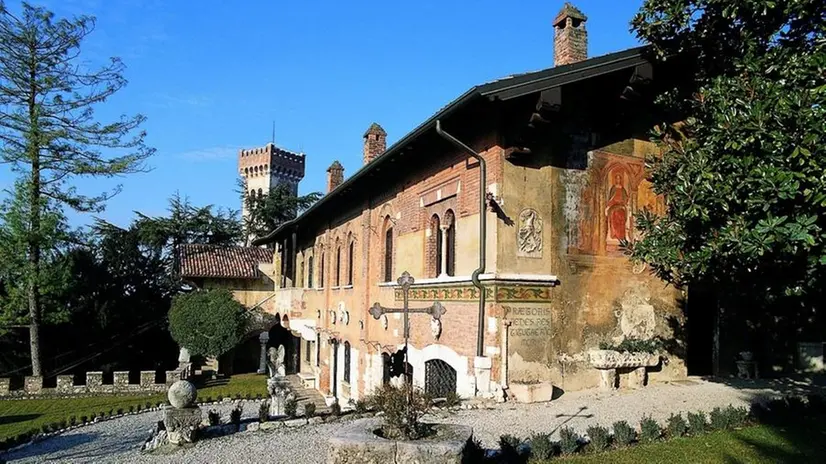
599, 438
474, 451
208, 323
335, 409
264, 411
509, 447
72, 420
213, 417
49, 136
235, 416
634, 345
743, 175
718, 419
737, 417
268, 210
452, 399
697, 423
362, 406
542, 448
568, 441
624, 434
649, 430
291, 407
400, 418
309, 410
676, 426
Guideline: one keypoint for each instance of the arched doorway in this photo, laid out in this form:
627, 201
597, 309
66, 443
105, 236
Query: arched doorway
292, 347
439, 378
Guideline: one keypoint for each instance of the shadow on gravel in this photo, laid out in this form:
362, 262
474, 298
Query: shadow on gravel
49, 446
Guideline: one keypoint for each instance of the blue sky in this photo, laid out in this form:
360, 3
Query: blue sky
212, 76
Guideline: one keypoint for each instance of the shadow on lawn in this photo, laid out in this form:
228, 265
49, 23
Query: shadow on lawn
4, 420
59, 442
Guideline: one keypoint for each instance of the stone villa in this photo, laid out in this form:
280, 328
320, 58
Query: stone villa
557, 179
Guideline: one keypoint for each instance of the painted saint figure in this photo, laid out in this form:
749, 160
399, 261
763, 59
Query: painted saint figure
616, 209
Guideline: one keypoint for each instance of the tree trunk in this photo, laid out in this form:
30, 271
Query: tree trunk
715, 350
34, 222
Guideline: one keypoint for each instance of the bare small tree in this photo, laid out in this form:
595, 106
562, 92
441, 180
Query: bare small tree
48, 132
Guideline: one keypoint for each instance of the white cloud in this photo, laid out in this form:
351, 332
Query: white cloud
211, 153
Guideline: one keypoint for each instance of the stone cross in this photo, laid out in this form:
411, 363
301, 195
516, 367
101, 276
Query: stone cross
436, 310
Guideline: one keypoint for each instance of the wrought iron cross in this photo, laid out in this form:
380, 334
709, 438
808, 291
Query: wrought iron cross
436, 310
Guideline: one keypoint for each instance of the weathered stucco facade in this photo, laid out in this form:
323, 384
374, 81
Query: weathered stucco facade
564, 153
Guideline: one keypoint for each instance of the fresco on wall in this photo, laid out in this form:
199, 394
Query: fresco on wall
615, 191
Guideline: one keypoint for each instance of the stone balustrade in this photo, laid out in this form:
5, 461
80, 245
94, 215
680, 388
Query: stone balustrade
33, 385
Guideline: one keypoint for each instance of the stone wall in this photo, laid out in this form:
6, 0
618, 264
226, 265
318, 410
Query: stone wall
33, 385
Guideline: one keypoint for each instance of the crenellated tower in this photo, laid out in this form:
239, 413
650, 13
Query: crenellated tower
263, 168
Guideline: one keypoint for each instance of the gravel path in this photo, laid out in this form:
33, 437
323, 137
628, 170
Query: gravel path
119, 440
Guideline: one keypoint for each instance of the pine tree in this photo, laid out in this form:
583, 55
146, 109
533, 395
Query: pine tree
48, 131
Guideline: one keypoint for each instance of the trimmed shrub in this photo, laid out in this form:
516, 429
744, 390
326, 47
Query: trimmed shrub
737, 417
600, 438
264, 411
235, 416
209, 399
402, 420
238, 396
309, 410
697, 423
258, 396
291, 407
148, 405
542, 448
568, 441
474, 451
63, 423
509, 447
361, 406
219, 398
120, 411
452, 399
718, 419
676, 426
213, 417
44, 428
624, 434
72, 420
335, 409
84, 419
132, 408
649, 430
138, 408
248, 396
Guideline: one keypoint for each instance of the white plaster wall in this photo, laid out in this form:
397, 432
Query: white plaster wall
305, 327
465, 381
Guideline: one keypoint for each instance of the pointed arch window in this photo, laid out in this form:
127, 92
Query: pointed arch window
450, 243
350, 263
388, 250
310, 272
338, 266
321, 271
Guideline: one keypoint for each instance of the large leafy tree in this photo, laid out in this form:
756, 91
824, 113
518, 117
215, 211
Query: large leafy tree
208, 323
266, 212
743, 174
48, 130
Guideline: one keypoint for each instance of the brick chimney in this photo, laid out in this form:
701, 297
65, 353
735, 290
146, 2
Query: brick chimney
570, 36
375, 142
335, 176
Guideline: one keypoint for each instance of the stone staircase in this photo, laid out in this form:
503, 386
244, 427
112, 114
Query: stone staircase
306, 395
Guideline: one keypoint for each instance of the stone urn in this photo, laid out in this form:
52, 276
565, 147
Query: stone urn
358, 443
635, 363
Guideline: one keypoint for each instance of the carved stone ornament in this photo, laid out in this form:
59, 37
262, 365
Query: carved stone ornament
436, 328
529, 234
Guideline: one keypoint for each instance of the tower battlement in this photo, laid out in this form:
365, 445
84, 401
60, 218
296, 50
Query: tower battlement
272, 162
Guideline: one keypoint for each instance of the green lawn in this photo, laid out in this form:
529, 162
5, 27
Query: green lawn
19, 416
804, 443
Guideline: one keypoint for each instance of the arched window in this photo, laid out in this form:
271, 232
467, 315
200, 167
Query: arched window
310, 272
388, 250
260, 193
450, 221
347, 362
338, 265
350, 263
300, 273
434, 247
252, 194
321, 271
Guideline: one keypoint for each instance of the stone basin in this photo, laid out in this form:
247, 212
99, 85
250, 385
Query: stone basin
357, 443
610, 359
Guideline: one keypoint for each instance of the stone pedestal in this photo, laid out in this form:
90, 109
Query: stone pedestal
636, 378
608, 361
607, 379
481, 367
357, 443
65, 384
32, 384
181, 424
279, 390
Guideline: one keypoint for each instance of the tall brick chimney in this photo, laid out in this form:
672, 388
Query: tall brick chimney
335, 176
570, 36
375, 142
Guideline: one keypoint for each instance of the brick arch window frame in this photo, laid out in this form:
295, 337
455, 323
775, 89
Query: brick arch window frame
321, 270
310, 270
450, 252
387, 249
346, 376
434, 247
338, 263
350, 257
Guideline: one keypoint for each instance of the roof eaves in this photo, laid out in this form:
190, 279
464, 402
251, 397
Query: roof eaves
389, 153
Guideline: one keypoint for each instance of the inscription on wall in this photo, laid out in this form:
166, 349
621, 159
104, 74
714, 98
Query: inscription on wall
529, 323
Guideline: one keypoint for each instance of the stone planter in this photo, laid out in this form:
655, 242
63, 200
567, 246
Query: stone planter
531, 393
357, 443
609, 361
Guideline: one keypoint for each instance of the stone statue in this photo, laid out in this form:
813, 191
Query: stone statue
275, 361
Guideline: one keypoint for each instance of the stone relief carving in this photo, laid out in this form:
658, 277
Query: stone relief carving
529, 234
435, 328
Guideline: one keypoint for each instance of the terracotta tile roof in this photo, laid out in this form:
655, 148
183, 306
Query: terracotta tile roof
223, 262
